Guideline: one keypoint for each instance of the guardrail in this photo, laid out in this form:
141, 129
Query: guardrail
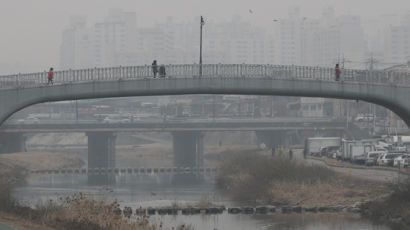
211, 70
136, 171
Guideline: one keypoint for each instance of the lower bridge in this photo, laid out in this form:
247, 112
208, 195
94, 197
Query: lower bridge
121, 171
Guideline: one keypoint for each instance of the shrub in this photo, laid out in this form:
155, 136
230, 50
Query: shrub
393, 209
251, 176
10, 176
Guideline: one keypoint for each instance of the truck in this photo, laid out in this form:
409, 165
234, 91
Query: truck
356, 151
315, 145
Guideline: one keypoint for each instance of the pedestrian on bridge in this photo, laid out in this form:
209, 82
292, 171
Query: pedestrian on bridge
154, 66
337, 72
162, 71
50, 76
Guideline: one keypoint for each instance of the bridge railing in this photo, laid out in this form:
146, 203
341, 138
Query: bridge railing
211, 70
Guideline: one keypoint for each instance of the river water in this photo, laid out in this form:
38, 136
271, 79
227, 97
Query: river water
154, 191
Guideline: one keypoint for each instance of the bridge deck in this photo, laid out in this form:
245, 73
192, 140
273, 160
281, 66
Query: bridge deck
212, 70
183, 125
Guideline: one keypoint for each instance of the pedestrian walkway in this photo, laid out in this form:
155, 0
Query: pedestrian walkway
5, 227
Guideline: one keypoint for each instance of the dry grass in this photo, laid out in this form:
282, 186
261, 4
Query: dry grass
204, 203
323, 194
21, 223
76, 212
10, 176
42, 160
156, 155
254, 178
393, 209
79, 212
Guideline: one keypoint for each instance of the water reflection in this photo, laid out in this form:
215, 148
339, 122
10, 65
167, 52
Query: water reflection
154, 193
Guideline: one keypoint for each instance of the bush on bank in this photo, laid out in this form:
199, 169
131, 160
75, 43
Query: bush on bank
249, 176
253, 178
10, 176
393, 209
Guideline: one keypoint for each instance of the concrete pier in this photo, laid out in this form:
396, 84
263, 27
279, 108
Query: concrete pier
188, 152
188, 148
272, 138
12, 142
101, 154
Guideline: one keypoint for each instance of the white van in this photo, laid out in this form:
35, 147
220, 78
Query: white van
372, 156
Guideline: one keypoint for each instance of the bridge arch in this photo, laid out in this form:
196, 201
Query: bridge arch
382, 88
389, 96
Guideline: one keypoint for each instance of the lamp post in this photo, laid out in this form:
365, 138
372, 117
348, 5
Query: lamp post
200, 47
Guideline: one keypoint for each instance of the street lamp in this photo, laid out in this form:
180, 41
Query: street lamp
200, 47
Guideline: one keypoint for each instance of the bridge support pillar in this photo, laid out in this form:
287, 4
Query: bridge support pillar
12, 142
101, 154
188, 152
272, 138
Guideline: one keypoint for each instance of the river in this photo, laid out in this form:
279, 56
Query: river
153, 191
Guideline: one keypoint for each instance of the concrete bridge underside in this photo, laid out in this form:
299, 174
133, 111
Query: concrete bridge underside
391, 96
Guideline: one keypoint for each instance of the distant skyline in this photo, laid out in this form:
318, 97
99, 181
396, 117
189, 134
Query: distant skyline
31, 29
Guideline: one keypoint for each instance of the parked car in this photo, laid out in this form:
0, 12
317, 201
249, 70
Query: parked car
329, 151
401, 149
29, 120
402, 160
386, 159
116, 120
372, 156
364, 117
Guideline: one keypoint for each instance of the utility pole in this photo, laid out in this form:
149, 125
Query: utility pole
76, 111
374, 119
347, 104
372, 111
200, 47
213, 107
371, 63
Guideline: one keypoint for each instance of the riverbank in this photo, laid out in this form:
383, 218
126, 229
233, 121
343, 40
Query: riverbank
393, 209
260, 179
75, 212
41, 160
20, 223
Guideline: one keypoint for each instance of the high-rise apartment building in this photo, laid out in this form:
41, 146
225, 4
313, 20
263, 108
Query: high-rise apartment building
397, 42
76, 46
118, 41
296, 40
319, 42
109, 43
237, 42
114, 40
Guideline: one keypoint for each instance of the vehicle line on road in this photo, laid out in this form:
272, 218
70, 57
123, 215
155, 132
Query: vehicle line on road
392, 174
360, 167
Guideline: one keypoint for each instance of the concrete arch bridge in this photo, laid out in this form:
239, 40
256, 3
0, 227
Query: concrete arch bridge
386, 88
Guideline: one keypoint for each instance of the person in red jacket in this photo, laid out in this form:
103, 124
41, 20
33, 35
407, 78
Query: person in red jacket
50, 76
337, 72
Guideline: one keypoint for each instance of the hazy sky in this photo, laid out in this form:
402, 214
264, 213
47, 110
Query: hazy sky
31, 29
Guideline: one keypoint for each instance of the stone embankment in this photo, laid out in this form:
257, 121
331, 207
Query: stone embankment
259, 210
